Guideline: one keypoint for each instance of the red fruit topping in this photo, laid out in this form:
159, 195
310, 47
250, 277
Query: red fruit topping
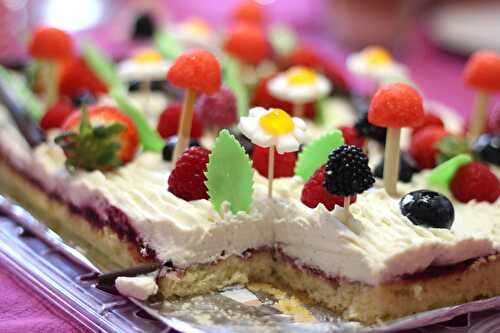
284, 164
248, 43
307, 56
396, 105
168, 124
263, 98
250, 12
482, 71
475, 181
55, 116
51, 43
107, 116
77, 78
351, 137
430, 119
198, 70
422, 146
219, 109
314, 192
187, 180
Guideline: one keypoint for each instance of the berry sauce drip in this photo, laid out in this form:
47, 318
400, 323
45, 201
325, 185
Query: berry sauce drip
365, 128
428, 208
347, 171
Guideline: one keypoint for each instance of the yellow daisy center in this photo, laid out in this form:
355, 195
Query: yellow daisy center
148, 57
277, 122
301, 76
375, 56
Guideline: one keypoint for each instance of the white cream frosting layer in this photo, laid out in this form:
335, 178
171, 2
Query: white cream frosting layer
377, 245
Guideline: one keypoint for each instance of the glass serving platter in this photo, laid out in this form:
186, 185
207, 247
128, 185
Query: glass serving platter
68, 279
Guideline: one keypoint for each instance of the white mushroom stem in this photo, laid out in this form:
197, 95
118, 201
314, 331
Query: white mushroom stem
477, 122
298, 110
51, 82
391, 161
184, 132
347, 204
270, 172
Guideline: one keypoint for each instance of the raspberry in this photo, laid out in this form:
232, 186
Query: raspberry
475, 181
430, 119
347, 172
55, 115
314, 192
263, 98
351, 137
284, 164
219, 109
168, 124
187, 180
422, 146
494, 120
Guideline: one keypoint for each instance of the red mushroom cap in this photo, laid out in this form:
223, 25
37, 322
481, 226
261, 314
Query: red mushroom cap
77, 77
482, 71
198, 70
396, 105
247, 42
51, 43
250, 12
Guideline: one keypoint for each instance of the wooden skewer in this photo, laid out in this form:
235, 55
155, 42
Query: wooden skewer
391, 161
347, 205
270, 172
479, 115
184, 132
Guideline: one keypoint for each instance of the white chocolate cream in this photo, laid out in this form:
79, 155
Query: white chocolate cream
377, 245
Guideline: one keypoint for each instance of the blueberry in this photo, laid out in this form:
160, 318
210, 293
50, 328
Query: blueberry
428, 209
407, 168
243, 140
487, 148
168, 150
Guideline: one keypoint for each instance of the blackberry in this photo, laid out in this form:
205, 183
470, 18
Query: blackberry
407, 167
347, 171
365, 128
144, 27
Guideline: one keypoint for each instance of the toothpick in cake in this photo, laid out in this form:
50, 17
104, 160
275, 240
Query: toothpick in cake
51, 47
482, 72
274, 129
299, 85
395, 106
196, 71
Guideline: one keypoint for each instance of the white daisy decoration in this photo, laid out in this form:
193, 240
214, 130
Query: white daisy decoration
299, 85
273, 129
146, 65
377, 64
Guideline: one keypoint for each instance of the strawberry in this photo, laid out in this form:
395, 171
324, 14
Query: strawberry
102, 138
55, 115
423, 146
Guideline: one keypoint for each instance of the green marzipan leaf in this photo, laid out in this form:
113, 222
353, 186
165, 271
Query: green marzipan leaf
150, 139
229, 174
443, 174
316, 153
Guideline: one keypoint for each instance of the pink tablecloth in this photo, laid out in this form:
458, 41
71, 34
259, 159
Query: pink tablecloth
22, 311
